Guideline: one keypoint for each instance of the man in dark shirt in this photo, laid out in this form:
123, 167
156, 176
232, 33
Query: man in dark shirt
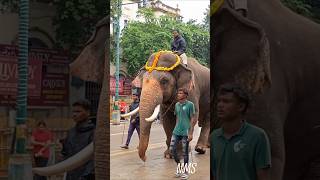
134, 121
78, 138
179, 45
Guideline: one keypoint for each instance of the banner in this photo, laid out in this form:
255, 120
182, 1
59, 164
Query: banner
124, 86
9, 74
48, 77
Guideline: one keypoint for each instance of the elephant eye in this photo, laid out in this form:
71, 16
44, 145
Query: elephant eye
163, 81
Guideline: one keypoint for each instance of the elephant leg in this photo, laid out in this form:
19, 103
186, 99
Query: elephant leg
278, 161
276, 139
169, 122
203, 141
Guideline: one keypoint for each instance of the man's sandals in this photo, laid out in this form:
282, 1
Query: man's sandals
200, 150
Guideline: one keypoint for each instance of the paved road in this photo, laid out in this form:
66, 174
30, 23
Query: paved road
126, 164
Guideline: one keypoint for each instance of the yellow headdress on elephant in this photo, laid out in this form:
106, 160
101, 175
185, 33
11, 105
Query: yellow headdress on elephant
155, 62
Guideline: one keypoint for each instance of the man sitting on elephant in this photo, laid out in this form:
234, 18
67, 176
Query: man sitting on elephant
179, 46
239, 150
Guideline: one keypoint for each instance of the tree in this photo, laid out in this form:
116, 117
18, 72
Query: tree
140, 39
75, 20
206, 19
307, 8
299, 6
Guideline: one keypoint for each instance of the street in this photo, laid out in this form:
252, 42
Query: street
126, 164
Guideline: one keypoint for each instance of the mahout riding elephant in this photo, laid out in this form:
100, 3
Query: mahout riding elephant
274, 53
92, 65
159, 88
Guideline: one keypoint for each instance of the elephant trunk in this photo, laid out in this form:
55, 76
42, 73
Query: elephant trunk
151, 96
67, 165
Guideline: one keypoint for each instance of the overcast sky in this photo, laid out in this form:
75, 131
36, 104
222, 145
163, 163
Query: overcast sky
190, 9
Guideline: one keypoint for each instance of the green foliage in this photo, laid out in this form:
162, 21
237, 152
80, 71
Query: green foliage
307, 8
9, 5
114, 8
75, 21
140, 39
206, 20
299, 6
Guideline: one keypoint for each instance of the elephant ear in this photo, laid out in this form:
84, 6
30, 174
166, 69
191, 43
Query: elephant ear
242, 43
89, 65
184, 77
137, 82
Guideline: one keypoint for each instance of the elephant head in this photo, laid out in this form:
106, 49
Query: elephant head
235, 33
91, 65
159, 88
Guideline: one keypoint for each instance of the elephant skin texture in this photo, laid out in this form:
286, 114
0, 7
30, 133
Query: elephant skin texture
274, 53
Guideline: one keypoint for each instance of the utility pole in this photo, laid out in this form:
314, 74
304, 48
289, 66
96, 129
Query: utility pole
116, 109
118, 49
20, 167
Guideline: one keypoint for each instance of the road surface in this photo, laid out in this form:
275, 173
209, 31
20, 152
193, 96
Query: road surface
126, 164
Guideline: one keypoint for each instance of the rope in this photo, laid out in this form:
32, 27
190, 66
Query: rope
124, 125
167, 109
191, 153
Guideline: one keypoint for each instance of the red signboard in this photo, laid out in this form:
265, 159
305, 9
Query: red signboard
48, 77
9, 75
113, 85
124, 86
55, 91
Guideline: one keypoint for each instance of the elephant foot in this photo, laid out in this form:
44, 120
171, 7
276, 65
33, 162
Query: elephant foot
167, 154
200, 149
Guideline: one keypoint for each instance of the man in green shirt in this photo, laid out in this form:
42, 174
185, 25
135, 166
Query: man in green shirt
239, 150
183, 131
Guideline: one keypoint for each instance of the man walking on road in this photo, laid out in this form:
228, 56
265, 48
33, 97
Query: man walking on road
134, 120
183, 131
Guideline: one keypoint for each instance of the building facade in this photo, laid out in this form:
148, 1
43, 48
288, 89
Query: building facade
51, 89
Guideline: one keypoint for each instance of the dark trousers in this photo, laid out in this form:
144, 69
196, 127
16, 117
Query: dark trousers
132, 127
185, 145
40, 162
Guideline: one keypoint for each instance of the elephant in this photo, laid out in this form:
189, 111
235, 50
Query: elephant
92, 65
158, 93
274, 54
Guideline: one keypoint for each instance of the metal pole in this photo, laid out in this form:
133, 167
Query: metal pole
23, 77
20, 162
116, 111
118, 49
